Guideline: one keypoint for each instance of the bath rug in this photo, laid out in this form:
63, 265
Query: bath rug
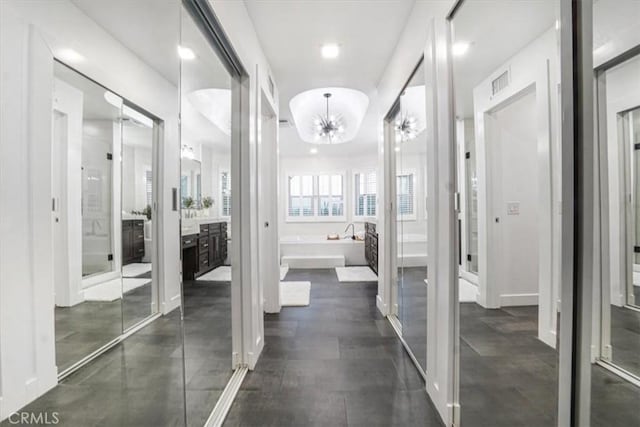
356, 274
295, 294
220, 274
136, 269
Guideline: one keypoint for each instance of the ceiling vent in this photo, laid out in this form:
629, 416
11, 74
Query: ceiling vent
285, 123
501, 82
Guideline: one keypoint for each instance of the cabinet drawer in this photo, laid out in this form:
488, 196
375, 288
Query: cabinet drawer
138, 250
204, 262
189, 241
204, 244
204, 229
215, 227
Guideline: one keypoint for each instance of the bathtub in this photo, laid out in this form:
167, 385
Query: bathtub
412, 250
318, 252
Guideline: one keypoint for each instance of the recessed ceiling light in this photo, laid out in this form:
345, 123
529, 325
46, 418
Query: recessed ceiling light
70, 55
397, 149
330, 50
313, 151
186, 53
460, 48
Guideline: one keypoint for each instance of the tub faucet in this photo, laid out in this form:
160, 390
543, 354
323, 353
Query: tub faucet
353, 231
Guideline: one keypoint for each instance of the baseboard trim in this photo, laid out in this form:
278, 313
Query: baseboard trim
382, 307
624, 374
221, 410
511, 300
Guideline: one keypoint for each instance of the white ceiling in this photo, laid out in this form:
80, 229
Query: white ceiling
505, 28
291, 34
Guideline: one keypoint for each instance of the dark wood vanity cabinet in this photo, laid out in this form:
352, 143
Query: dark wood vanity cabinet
371, 245
132, 240
204, 251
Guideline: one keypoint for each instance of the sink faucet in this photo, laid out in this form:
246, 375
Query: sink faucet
353, 231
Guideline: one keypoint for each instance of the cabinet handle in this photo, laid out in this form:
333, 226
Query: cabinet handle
206, 245
186, 242
140, 250
140, 235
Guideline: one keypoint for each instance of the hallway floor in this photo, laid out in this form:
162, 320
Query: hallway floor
336, 362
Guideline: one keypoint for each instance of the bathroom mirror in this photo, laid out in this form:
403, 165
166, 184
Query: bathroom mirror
87, 132
139, 295
191, 183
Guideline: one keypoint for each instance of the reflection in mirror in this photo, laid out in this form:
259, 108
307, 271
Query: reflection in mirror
86, 135
506, 87
410, 158
190, 182
616, 373
139, 293
206, 233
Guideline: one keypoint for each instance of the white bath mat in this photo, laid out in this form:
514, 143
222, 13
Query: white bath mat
136, 269
129, 284
220, 274
105, 291
295, 294
356, 274
284, 269
468, 291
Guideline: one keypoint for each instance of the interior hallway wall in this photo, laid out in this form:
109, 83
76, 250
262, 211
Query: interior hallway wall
239, 28
27, 339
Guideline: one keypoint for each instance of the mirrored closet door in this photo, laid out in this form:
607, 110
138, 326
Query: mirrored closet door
87, 132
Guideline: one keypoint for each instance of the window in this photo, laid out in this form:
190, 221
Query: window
149, 187
225, 193
315, 197
301, 196
405, 196
365, 193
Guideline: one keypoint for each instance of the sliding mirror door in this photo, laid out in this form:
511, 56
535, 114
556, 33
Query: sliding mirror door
411, 176
506, 72
139, 287
615, 391
206, 187
86, 135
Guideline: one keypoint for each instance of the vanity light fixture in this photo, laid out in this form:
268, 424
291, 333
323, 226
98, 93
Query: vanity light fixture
460, 48
70, 55
330, 51
187, 152
186, 53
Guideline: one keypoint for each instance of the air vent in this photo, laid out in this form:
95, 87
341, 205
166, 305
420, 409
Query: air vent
501, 82
284, 123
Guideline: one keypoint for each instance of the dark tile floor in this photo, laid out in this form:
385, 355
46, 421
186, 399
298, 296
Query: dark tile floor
414, 312
625, 338
137, 383
85, 327
507, 376
334, 363
208, 348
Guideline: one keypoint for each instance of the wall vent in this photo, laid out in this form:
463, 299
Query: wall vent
501, 82
285, 123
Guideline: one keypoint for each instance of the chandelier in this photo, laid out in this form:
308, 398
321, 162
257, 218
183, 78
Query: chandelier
406, 128
328, 128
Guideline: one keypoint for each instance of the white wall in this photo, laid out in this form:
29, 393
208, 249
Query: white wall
313, 165
239, 28
535, 66
27, 339
513, 153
